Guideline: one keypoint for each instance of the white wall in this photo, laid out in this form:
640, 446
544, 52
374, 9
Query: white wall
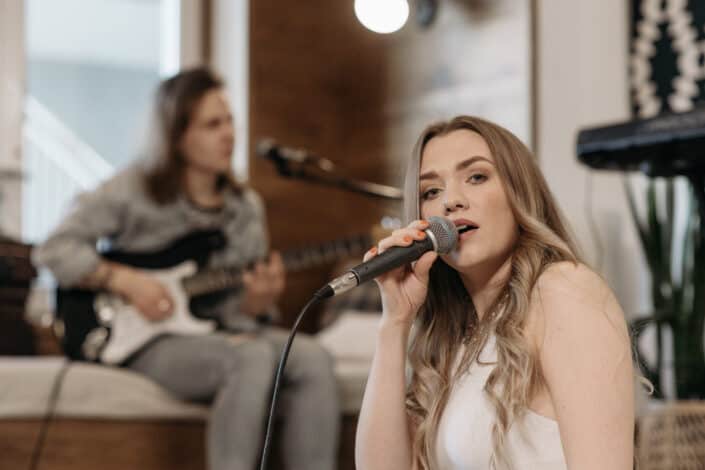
11, 101
112, 32
230, 57
582, 81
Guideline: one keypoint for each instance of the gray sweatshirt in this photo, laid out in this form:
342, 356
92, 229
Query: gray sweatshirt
120, 212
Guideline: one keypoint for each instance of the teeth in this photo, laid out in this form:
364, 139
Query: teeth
465, 228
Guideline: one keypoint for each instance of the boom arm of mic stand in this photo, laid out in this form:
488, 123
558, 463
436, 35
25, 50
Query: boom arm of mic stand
330, 179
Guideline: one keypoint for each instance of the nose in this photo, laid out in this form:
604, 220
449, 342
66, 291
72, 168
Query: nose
453, 202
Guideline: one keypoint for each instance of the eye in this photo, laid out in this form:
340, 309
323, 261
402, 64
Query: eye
476, 178
212, 124
429, 194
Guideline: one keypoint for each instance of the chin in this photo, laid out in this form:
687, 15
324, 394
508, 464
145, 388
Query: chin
221, 169
470, 257
461, 261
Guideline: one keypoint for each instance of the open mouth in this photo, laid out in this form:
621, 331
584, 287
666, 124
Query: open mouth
466, 228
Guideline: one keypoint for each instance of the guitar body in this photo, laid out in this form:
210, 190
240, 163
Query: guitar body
102, 327
99, 326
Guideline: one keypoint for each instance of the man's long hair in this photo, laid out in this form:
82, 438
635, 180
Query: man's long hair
175, 102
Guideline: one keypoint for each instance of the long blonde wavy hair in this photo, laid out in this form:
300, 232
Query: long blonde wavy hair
448, 319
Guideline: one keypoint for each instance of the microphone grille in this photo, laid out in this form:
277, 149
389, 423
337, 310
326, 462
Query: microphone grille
264, 146
445, 231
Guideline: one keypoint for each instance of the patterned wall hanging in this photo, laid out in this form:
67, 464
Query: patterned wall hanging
667, 56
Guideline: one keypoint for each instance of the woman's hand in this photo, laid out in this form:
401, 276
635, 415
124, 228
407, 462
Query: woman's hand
263, 285
142, 291
404, 289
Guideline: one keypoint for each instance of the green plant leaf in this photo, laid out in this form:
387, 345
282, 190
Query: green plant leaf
638, 224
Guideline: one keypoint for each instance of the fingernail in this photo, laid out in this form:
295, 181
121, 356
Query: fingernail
421, 234
423, 224
373, 250
407, 239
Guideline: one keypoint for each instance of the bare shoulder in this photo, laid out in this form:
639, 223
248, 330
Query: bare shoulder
585, 362
567, 286
573, 300
574, 280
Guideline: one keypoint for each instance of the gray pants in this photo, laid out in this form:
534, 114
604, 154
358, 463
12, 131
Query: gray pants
237, 378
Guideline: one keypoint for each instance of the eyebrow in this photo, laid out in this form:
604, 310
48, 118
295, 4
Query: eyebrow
460, 166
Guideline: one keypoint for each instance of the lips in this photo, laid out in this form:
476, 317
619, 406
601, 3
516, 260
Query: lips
465, 225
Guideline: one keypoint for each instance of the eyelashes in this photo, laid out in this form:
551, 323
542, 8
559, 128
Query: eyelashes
477, 178
473, 179
429, 193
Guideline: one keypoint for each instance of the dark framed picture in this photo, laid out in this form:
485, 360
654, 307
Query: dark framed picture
666, 56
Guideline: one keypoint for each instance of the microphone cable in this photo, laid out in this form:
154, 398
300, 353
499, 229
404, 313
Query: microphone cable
318, 296
48, 415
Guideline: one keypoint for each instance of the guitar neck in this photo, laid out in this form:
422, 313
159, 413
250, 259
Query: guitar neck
214, 280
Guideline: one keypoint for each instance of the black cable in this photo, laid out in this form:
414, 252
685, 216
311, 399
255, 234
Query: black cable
48, 415
320, 295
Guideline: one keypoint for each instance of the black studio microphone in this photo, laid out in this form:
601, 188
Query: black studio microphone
441, 237
268, 148
281, 155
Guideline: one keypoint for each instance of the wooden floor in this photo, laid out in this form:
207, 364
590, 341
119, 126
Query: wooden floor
123, 445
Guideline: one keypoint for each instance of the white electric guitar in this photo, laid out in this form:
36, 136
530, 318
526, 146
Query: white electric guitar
103, 327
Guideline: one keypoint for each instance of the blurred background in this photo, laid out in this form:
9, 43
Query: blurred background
76, 79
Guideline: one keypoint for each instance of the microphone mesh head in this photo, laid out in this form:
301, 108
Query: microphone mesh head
445, 231
264, 146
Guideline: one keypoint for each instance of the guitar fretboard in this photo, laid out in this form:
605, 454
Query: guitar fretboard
213, 280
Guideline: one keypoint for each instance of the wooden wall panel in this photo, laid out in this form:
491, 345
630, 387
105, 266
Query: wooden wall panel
319, 80
314, 79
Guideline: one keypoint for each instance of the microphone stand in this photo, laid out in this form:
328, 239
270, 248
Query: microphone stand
326, 175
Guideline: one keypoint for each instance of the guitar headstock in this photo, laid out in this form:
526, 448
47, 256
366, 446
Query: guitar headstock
352, 246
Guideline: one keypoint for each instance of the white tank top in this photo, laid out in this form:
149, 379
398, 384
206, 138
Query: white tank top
465, 430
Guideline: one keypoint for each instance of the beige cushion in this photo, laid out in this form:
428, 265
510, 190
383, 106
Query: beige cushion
92, 390
351, 341
352, 377
87, 391
25, 384
95, 391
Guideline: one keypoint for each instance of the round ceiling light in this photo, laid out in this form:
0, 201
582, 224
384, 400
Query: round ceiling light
382, 16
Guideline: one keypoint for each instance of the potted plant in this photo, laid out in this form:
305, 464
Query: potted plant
675, 255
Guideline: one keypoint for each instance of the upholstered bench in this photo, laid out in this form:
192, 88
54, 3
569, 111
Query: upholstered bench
112, 418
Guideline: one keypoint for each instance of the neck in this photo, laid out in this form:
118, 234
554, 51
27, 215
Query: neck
201, 187
485, 283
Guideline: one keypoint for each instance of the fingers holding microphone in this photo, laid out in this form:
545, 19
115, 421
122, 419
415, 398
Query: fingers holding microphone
404, 236
404, 289
389, 262
401, 238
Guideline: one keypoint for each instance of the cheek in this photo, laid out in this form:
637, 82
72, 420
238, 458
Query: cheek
432, 207
188, 147
195, 148
504, 217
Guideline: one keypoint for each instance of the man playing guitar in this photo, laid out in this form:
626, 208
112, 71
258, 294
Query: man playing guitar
184, 185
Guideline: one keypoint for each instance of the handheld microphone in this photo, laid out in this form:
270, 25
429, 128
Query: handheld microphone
441, 237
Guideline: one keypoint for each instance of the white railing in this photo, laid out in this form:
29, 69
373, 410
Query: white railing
57, 165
